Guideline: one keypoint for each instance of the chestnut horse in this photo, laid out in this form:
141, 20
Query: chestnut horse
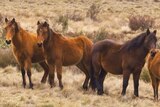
25, 49
154, 70
64, 51
120, 59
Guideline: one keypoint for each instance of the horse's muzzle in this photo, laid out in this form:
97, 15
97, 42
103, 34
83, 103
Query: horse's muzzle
8, 42
39, 44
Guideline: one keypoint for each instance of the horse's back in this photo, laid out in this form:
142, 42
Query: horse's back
106, 45
74, 49
108, 54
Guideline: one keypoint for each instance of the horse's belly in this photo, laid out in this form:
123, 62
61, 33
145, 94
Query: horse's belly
72, 56
114, 68
72, 60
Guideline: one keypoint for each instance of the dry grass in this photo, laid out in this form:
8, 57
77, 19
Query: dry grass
110, 20
12, 94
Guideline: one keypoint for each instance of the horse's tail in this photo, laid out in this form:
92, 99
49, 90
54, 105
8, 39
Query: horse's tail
88, 44
92, 78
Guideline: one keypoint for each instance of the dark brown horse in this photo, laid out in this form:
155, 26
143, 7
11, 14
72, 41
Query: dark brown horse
25, 49
121, 59
64, 51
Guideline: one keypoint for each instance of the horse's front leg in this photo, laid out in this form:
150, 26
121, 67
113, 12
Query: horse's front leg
126, 75
46, 71
28, 69
23, 77
136, 76
51, 74
29, 77
59, 73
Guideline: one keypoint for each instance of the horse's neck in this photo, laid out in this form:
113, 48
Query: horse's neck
51, 39
142, 52
17, 40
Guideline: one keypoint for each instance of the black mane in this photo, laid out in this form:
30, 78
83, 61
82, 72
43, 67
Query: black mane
134, 43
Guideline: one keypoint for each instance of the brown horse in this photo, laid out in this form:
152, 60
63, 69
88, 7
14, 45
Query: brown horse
154, 70
25, 49
127, 58
64, 51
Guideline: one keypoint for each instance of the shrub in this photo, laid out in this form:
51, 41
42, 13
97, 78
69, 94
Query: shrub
63, 19
93, 11
75, 16
145, 75
140, 22
7, 58
100, 35
156, 0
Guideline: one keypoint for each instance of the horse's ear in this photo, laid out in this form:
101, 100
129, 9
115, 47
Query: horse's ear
148, 31
38, 23
46, 24
155, 31
13, 20
6, 20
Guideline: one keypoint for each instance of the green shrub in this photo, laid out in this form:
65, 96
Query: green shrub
145, 76
63, 19
100, 35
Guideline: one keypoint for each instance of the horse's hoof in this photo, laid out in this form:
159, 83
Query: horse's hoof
43, 81
31, 86
24, 85
61, 87
85, 87
100, 92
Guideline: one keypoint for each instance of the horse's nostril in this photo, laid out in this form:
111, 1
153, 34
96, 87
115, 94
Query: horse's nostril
39, 44
8, 41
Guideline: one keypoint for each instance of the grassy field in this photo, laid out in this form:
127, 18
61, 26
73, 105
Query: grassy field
97, 19
12, 94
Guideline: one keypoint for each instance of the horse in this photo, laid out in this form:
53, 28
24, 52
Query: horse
25, 49
120, 59
64, 51
154, 70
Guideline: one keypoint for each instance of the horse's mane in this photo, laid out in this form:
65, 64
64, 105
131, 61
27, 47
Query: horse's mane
54, 33
134, 43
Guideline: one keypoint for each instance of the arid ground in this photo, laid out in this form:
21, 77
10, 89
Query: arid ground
110, 19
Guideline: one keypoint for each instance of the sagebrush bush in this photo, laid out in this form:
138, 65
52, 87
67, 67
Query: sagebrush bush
75, 16
63, 19
137, 22
100, 35
7, 58
156, 0
93, 11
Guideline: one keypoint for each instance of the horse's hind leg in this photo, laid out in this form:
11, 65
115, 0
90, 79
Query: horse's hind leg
82, 67
102, 76
46, 71
23, 77
97, 69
